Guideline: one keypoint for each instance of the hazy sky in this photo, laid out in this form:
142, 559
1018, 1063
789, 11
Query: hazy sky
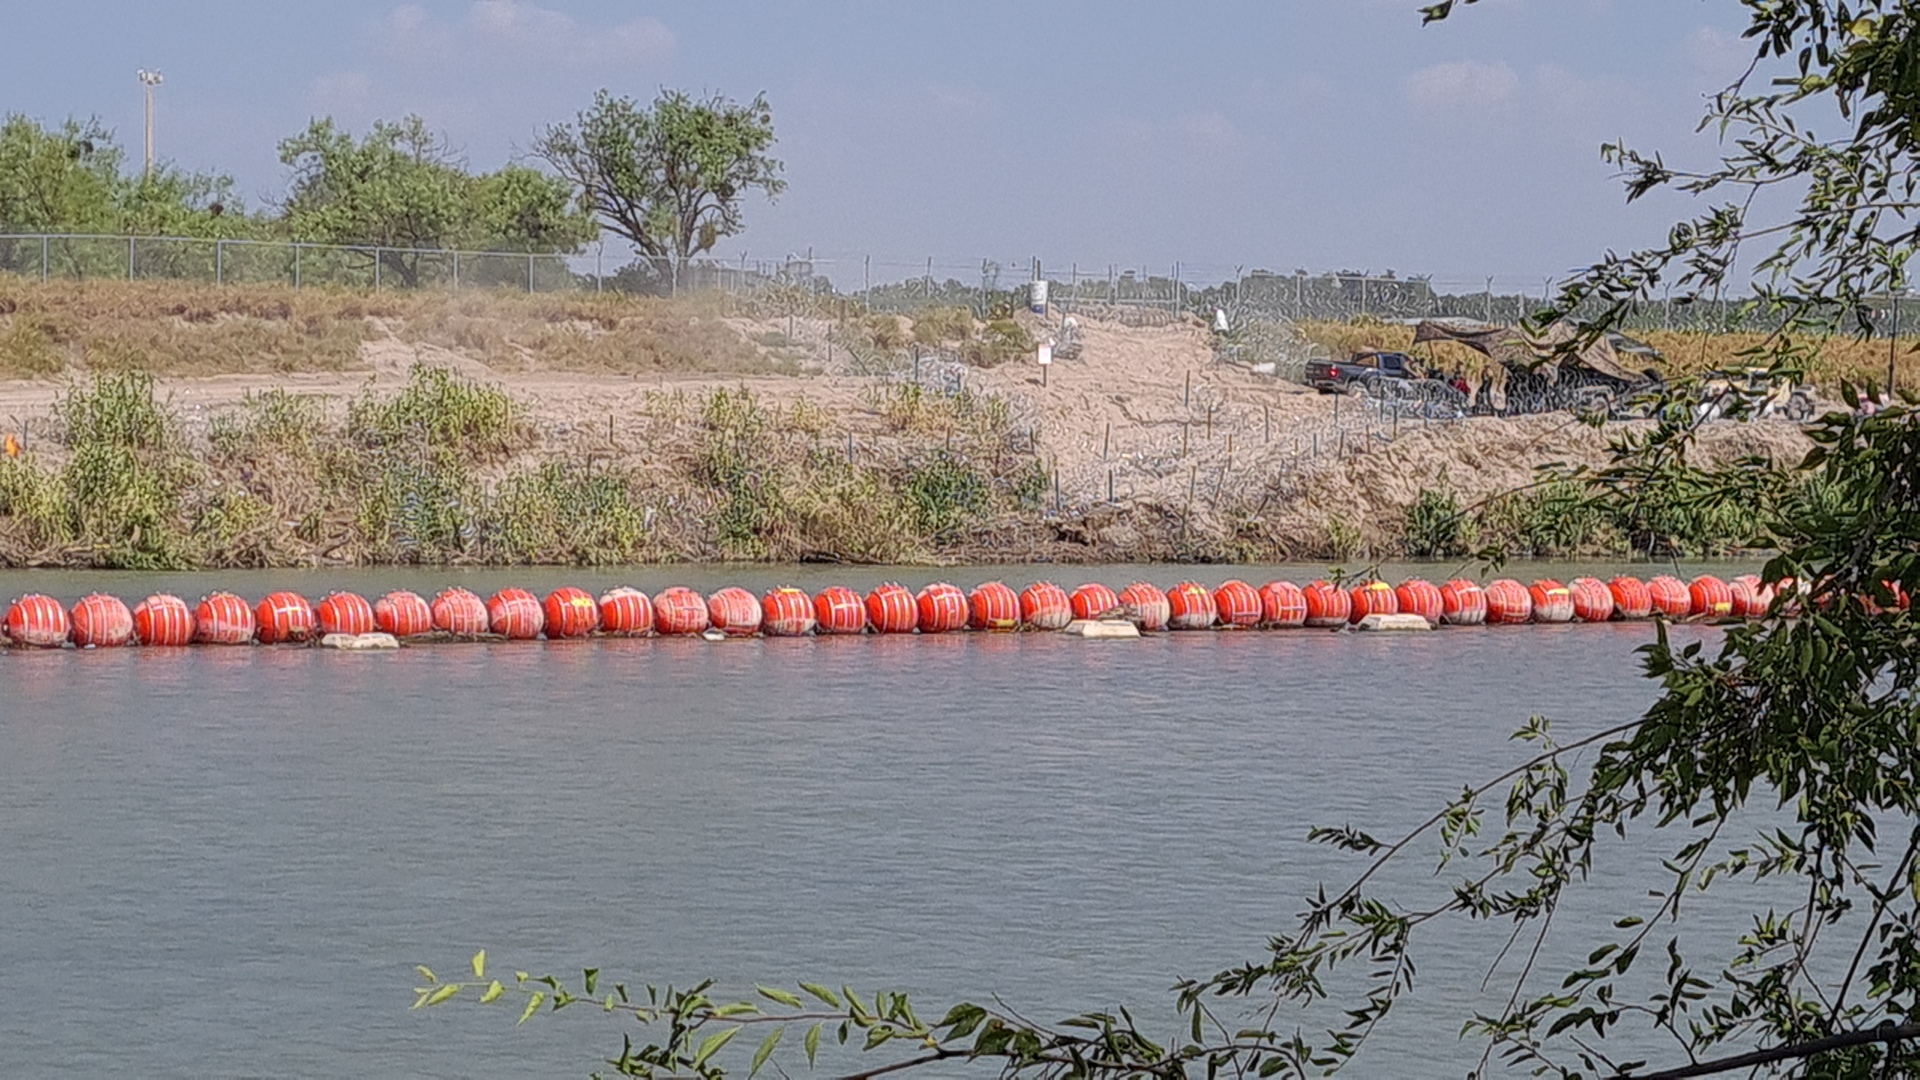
1325, 134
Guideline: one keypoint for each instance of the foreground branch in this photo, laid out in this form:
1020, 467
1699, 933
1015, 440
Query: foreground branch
1888, 1032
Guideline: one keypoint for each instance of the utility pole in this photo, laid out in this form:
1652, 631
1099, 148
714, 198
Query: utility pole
149, 80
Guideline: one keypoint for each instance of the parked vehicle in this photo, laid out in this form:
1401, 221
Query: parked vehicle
1390, 378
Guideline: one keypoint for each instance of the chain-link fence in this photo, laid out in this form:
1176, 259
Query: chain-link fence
1134, 293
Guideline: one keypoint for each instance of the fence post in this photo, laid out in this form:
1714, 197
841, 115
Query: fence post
456, 271
1363, 294
529, 272
43, 258
377, 261
219, 262
599, 275
1489, 300
296, 265
129, 258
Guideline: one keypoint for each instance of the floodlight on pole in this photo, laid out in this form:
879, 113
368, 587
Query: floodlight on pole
149, 80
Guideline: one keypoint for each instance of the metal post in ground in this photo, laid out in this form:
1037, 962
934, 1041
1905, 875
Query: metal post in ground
296, 266
43, 258
219, 262
529, 271
129, 258
456, 270
377, 261
1266, 423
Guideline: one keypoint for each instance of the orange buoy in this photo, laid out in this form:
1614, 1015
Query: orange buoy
162, 619
1417, 596
1463, 603
1751, 596
38, 622
1508, 602
100, 621
734, 612
515, 614
943, 609
1631, 599
1592, 599
838, 610
345, 613
679, 612
993, 606
223, 619
403, 614
1371, 598
1045, 606
1670, 597
284, 617
1552, 601
891, 610
1283, 604
626, 610
1190, 606
1147, 606
786, 612
1094, 601
1709, 598
460, 612
1237, 604
1327, 604
570, 613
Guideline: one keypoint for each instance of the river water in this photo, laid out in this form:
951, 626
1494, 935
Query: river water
227, 862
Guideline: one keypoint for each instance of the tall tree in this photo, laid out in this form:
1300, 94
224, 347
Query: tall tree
1810, 715
403, 190
671, 178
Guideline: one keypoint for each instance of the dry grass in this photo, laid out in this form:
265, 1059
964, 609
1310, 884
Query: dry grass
1837, 358
177, 328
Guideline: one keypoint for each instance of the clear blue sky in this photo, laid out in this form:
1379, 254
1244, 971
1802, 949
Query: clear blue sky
1325, 134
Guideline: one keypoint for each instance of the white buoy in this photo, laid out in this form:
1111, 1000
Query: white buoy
360, 642
1114, 629
1393, 622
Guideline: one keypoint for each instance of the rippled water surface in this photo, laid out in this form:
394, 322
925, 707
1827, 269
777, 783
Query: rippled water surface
227, 862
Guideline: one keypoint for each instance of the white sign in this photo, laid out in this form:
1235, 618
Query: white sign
1046, 352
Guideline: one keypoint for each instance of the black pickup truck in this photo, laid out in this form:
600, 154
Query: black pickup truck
1362, 371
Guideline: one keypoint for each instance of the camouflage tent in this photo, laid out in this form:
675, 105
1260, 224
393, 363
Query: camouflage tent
1543, 355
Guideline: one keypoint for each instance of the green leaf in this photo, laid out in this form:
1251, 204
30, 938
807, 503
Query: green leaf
426, 973
813, 1043
737, 1008
480, 964
591, 978
443, 993
761, 1055
533, 1005
784, 997
493, 993
822, 993
713, 1044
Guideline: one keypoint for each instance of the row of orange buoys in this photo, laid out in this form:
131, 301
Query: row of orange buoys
223, 618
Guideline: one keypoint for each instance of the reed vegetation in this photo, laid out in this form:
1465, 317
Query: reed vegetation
447, 470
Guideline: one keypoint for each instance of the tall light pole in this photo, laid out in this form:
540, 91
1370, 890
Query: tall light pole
149, 80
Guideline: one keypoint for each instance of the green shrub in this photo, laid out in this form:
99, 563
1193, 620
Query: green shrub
439, 410
944, 492
1436, 527
559, 513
